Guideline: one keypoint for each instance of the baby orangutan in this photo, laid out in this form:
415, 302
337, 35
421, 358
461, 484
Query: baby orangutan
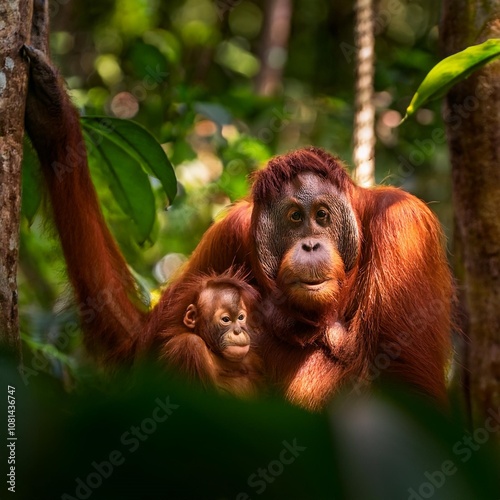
212, 340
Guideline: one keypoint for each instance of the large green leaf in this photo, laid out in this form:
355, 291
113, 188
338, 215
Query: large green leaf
451, 70
32, 190
125, 151
128, 182
137, 143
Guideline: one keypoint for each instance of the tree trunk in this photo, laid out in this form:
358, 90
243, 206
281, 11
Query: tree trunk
15, 17
472, 115
274, 48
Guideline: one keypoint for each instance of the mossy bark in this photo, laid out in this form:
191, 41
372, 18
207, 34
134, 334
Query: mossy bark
472, 114
15, 26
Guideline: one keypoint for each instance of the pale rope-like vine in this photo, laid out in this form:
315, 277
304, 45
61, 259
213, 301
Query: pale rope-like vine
364, 119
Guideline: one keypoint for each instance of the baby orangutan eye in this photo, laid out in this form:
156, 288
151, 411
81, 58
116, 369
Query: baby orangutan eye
321, 214
226, 319
296, 216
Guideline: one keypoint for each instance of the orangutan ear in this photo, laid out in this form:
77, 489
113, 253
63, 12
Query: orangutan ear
190, 316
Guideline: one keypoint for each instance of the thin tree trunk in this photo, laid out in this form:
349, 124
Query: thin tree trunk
15, 17
274, 48
364, 119
472, 115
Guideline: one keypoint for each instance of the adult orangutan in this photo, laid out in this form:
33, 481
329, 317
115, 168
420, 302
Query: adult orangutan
353, 282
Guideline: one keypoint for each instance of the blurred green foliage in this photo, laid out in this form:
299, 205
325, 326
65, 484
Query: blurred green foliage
185, 70
151, 436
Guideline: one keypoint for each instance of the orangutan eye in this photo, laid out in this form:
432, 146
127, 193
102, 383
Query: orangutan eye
241, 317
296, 216
226, 319
322, 214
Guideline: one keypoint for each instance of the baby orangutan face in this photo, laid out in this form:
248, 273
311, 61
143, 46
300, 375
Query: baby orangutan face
219, 317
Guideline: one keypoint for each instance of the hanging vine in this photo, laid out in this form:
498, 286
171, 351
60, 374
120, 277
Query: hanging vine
364, 119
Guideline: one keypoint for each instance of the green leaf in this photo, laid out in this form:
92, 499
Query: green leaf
31, 187
126, 151
137, 143
128, 182
149, 64
452, 70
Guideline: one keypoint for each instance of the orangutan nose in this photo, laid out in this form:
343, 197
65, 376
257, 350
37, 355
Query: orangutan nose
311, 246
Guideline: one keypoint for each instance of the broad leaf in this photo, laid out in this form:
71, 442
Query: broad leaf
128, 182
126, 151
137, 143
452, 70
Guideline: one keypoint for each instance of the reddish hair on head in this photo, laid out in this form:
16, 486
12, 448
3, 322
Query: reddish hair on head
268, 183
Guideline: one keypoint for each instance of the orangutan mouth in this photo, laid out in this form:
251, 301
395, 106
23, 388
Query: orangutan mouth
313, 285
